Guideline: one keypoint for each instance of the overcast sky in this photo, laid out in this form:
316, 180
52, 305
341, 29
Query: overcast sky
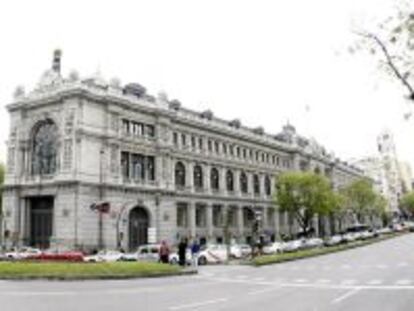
264, 62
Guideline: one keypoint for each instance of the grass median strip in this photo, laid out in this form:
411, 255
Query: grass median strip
283, 257
61, 270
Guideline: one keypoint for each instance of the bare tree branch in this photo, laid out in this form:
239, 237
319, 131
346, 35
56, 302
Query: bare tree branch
389, 61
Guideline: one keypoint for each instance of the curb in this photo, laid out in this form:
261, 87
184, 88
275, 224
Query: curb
102, 277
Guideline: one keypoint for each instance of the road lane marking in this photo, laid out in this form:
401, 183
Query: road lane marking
198, 304
403, 282
346, 295
300, 281
262, 291
374, 282
323, 281
349, 282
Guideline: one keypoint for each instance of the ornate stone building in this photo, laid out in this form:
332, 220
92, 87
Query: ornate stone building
166, 171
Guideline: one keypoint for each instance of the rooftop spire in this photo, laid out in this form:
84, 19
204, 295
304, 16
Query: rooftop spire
57, 55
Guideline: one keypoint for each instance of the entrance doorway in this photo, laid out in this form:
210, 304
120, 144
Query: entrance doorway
138, 227
41, 221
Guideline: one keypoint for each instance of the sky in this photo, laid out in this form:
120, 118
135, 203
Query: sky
264, 62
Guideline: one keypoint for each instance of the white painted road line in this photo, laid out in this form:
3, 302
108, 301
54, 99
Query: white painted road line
374, 282
346, 295
349, 282
323, 281
403, 282
300, 281
262, 291
198, 304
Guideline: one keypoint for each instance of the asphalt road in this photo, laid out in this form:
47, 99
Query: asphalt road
375, 277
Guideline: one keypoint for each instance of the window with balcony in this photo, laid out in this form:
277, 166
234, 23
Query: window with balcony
268, 186
198, 177
256, 184
229, 181
180, 174
214, 179
243, 183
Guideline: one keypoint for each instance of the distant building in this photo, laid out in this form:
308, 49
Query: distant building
406, 177
386, 171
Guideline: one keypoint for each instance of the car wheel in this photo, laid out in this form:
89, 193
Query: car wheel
202, 261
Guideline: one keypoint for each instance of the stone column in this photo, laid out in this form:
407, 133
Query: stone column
209, 214
222, 180
262, 185
189, 176
191, 219
236, 176
240, 222
206, 178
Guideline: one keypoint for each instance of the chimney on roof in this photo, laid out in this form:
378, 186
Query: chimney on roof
57, 56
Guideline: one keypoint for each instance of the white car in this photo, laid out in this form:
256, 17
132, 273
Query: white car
213, 253
349, 237
334, 240
367, 235
385, 230
292, 246
312, 243
273, 248
239, 251
105, 256
23, 253
147, 252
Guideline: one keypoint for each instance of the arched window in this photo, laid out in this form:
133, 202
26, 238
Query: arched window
268, 185
243, 183
180, 174
44, 148
214, 179
256, 184
229, 181
198, 176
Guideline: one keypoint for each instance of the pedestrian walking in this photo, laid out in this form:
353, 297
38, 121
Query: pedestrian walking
195, 249
164, 252
182, 249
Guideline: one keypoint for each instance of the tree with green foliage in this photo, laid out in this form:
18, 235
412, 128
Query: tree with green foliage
340, 210
304, 195
360, 198
407, 203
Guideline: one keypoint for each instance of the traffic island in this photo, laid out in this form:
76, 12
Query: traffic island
302, 254
87, 271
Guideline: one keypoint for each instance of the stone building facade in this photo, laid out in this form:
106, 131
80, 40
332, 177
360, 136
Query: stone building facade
165, 171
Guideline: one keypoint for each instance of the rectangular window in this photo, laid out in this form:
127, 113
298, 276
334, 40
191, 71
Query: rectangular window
201, 216
217, 216
216, 147
183, 140
244, 153
238, 152
137, 167
193, 142
200, 143
231, 150
209, 144
150, 168
125, 164
125, 126
175, 138
150, 130
224, 148
182, 215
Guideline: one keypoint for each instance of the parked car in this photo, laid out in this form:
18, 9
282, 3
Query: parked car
312, 243
105, 256
368, 234
54, 255
213, 253
239, 251
147, 252
292, 246
385, 230
334, 240
23, 253
273, 248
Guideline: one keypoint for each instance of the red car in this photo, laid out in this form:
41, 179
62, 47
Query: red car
72, 256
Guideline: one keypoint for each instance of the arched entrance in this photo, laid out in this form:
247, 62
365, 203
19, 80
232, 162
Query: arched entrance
138, 227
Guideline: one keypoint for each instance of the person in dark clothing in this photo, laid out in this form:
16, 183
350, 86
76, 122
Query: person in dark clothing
164, 252
182, 248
